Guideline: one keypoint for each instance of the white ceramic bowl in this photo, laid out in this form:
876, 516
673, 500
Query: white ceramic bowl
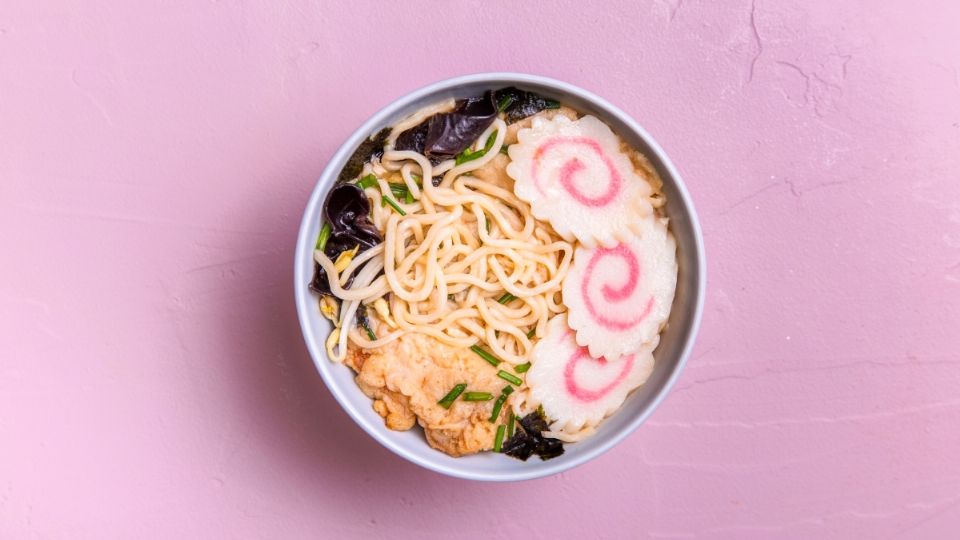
675, 343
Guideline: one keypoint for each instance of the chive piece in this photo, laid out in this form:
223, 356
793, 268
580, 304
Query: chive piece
324, 236
507, 297
505, 102
477, 396
510, 377
503, 149
497, 407
532, 332
470, 155
400, 191
395, 206
551, 104
522, 368
507, 390
511, 423
498, 440
493, 360
489, 144
367, 181
488, 225
417, 179
370, 334
463, 157
452, 395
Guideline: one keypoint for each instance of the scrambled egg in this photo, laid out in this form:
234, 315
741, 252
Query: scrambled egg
407, 377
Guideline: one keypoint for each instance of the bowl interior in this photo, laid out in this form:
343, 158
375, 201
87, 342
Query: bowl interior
676, 339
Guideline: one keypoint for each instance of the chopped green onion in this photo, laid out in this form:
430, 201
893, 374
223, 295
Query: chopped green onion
464, 157
532, 332
490, 140
551, 104
398, 190
370, 334
417, 178
498, 406
452, 395
510, 377
367, 181
388, 200
511, 423
522, 368
505, 102
470, 155
487, 221
503, 149
498, 439
324, 236
507, 390
507, 297
493, 360
477, 396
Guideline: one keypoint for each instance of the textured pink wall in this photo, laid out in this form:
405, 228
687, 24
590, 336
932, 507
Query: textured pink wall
155, 158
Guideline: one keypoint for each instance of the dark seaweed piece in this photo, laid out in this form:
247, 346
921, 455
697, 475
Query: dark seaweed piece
519, 446
534, 423
549, 448
369, 148
529, 440
509, 98
347, 210
521, 104
451, 133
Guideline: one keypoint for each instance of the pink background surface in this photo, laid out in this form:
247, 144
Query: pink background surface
155, 160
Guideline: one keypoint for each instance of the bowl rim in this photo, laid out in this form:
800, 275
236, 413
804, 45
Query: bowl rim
305, 247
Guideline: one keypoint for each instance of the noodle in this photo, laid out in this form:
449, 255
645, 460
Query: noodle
459, 249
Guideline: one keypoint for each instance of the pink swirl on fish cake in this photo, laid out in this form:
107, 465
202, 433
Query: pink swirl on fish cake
571, 167
587, 395
612, 294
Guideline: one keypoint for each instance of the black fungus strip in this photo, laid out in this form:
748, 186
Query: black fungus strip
451, 133
347, 210
444, 135
413, 139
